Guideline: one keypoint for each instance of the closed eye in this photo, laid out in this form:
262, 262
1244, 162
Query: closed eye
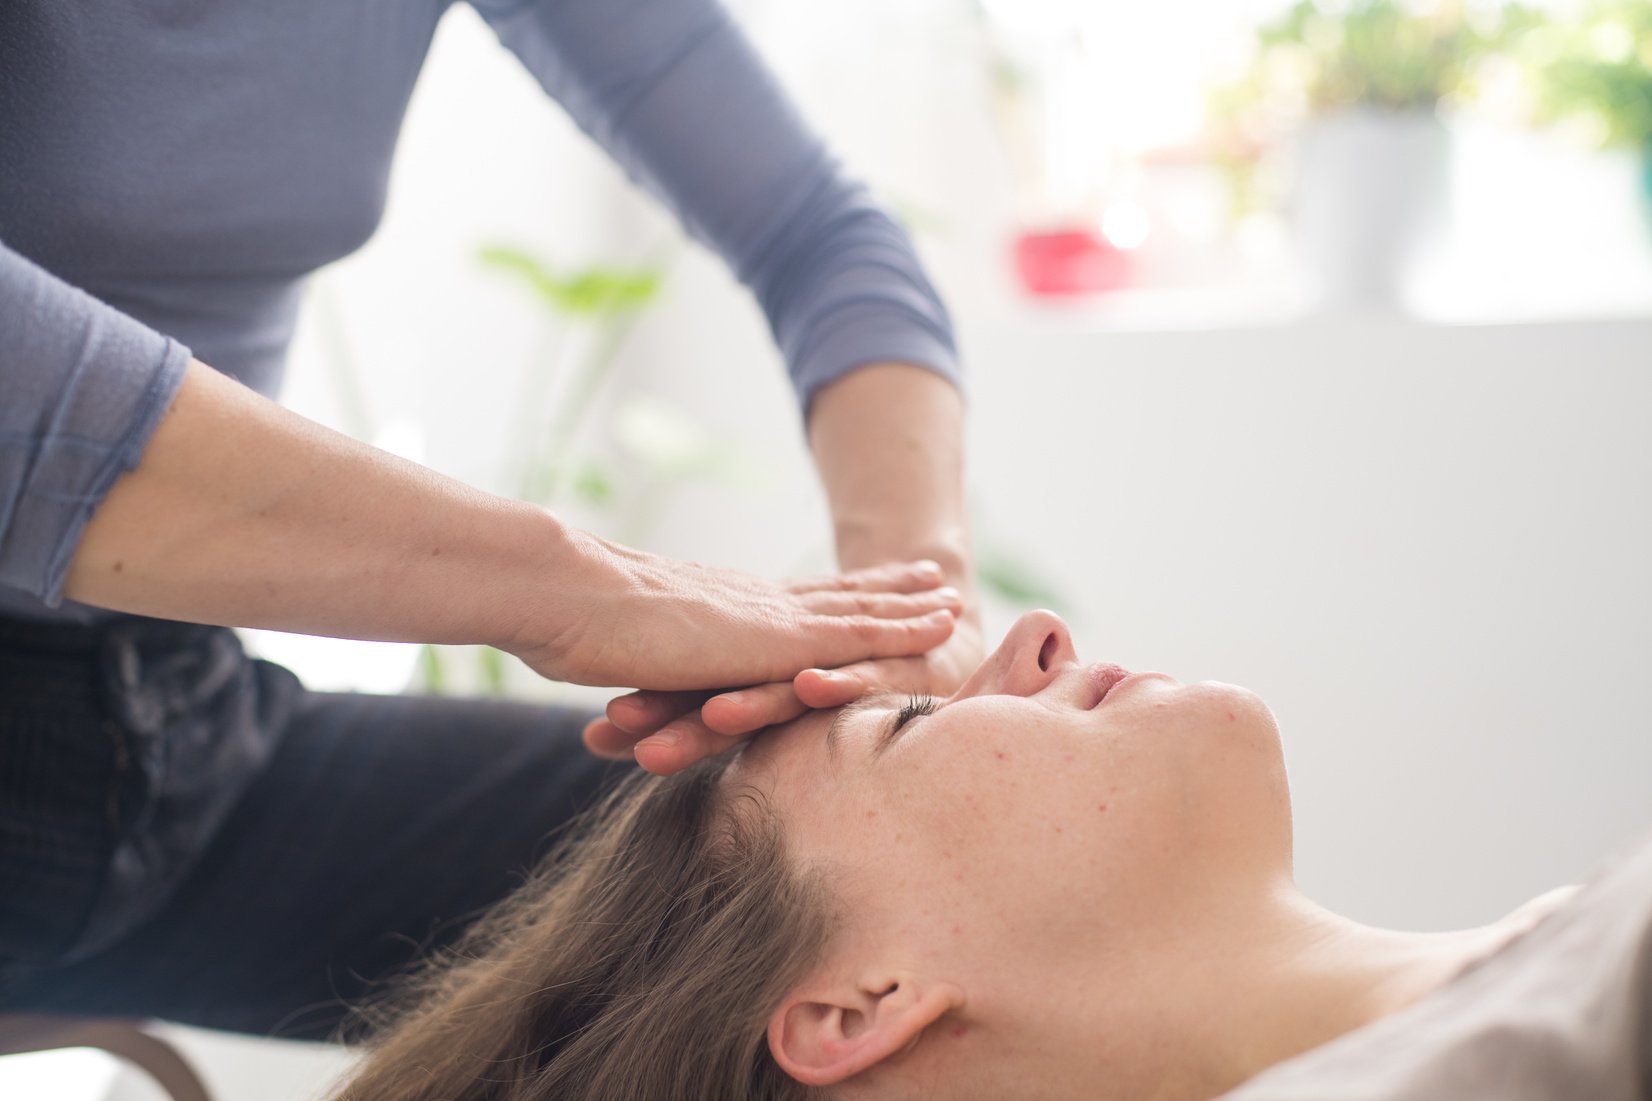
915, 707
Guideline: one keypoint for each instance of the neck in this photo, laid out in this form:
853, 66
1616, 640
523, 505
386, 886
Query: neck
1236, 988
1302, 976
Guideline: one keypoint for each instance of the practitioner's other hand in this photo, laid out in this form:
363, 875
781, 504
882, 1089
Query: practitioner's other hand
639, 620
668, 731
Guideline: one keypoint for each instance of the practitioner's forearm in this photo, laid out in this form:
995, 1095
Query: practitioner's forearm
888, 440
244, 513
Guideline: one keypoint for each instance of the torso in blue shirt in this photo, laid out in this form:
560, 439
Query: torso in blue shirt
190, 162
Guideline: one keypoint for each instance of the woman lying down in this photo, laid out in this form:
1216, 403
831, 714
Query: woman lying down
1055, 884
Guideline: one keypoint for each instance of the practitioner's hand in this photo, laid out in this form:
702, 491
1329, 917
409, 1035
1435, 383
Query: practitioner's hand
668, 731
644, 621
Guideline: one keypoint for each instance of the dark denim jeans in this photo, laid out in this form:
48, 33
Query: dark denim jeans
189, 834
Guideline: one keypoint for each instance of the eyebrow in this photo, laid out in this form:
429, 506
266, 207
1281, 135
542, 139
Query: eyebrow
834, 733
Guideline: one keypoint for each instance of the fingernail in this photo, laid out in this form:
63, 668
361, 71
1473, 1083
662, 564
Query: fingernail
947, 592
829, 677
927, 565
665, 739
733, 697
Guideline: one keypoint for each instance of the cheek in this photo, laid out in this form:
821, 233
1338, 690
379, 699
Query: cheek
1219, 789
1125, 818
1019, 830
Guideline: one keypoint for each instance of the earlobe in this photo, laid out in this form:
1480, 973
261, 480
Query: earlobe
824, 1034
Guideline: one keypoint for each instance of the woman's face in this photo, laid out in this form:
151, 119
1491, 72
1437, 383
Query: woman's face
1047, 813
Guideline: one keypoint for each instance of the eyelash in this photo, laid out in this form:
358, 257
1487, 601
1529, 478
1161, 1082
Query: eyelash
914, 707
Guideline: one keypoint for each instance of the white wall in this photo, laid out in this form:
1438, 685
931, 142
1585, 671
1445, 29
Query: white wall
1426, 547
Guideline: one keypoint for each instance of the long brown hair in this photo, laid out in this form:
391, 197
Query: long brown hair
640, 962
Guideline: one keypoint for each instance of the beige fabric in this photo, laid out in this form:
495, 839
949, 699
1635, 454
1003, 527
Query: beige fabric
1562, 1013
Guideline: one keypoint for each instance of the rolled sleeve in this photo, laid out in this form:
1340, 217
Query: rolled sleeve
84, 388
676, 94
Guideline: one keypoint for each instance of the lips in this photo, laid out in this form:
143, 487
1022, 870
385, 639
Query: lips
1102, 680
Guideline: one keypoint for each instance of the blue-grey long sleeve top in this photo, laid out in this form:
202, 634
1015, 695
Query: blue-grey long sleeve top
172, 171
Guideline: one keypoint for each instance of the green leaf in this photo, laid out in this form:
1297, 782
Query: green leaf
491, 662
1016, 582
594, 485
432, 673
598, 291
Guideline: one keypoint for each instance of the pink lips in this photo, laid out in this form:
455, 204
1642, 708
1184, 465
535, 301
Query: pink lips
1103, 678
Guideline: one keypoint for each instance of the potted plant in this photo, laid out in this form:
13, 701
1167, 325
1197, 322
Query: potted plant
1359, 84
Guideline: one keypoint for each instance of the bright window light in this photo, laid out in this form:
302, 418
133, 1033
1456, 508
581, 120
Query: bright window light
1125, 225
72, 1074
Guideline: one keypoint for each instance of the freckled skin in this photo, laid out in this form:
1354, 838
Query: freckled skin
1039, 827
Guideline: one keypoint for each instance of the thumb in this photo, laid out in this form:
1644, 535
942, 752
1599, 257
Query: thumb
821, 688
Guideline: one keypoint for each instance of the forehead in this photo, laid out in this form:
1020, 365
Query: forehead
772, 750
835, 728
820, 753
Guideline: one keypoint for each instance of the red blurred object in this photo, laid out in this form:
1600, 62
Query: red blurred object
1069, 262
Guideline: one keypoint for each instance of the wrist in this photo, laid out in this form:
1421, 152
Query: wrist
550, 562
570, 576
868, 543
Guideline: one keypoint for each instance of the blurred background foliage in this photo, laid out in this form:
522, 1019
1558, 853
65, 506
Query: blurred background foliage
1592, 69
1586, 66
1593, 57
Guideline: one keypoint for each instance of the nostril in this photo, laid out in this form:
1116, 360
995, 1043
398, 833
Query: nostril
1046, 653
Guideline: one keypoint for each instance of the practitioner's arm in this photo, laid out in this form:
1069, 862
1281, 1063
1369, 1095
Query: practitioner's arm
889, 442
241, 512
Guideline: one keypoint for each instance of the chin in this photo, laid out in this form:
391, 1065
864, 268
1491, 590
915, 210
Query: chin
1235, 706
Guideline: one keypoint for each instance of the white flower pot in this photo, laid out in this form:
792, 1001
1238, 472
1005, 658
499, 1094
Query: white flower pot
1371, 196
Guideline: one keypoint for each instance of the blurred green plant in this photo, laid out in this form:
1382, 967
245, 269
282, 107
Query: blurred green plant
1017, 582
604, 301
1593, 68
1370, 53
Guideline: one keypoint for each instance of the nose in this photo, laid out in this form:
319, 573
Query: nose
1034, 652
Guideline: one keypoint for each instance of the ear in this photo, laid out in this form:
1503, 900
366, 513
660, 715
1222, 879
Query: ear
828, 1030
